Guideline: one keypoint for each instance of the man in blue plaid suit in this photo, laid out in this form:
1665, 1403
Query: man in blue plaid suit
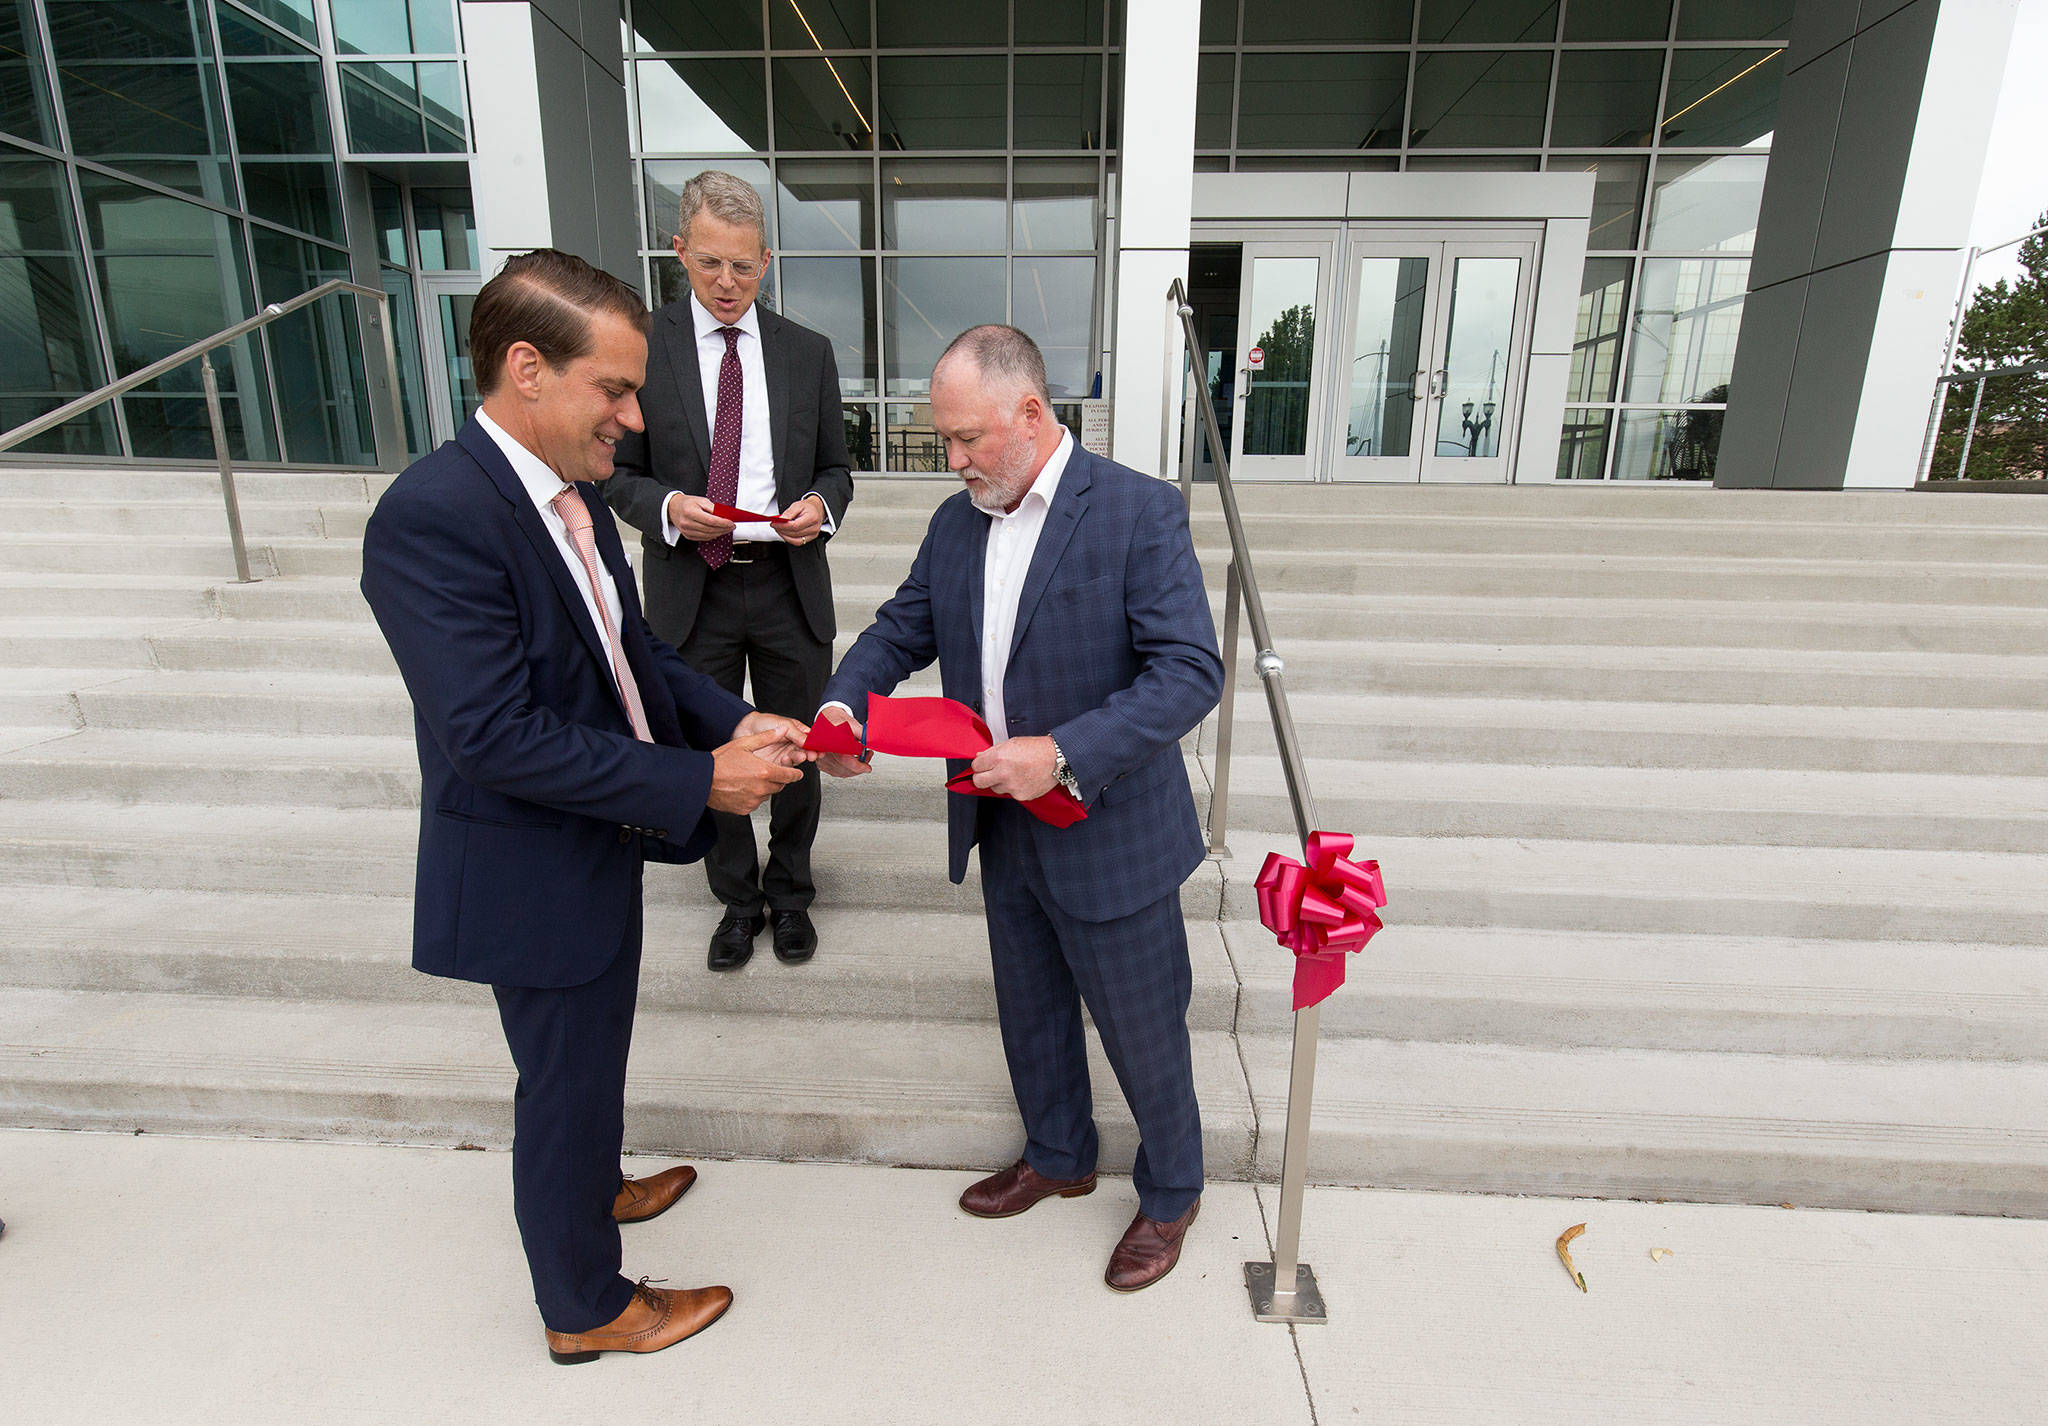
1060, 594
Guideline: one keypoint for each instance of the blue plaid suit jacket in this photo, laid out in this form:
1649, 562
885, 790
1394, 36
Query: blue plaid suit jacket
1114, 655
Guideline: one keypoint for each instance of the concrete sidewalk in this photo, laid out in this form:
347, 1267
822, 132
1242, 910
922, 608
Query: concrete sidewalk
161, 1280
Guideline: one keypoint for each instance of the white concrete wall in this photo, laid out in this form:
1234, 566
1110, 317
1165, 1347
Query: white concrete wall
508, 175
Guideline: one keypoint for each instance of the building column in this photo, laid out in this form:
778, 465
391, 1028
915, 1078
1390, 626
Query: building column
547, 99
1155, 196
1883, 124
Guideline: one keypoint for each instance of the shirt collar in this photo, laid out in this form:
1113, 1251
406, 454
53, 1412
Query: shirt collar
1047, 485
542, 484
706, 324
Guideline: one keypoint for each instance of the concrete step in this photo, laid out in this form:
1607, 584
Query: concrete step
74, 642
126, 484
899, 964
1732, 994
113, 594
158, 519
1922, 1136
1550, 732
66, 554
926, 1093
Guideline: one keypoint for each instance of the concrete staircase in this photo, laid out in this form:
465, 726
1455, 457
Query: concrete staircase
1712, 823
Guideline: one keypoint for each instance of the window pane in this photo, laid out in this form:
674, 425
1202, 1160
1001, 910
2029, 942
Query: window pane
1607, 98
441, 97
316, 353
863, 435
1386, 355
1488, 22
698, 25
1706, 204
1219, 22
1617, 196
836, 296
1327, 22
944, 205
818, 24
433, 27
47, 350
1060, 22
298, 195
293, 15
387, 211
1055, 206
665, 179
1053, 299
1582, 454
1596, 343
1059, 101
1617, 19
380, 102
1282, 311
1668, 445
912, 443
825, 203
1723, 98
918, 24
280, 107
122, 113
24, 97
371, 26
1216, 75
1476, 355
1687, 316
1322, 101
240, 35
944, 102
926, 302
1481, 100
1735, 19
702, 106
822, 104
446, 220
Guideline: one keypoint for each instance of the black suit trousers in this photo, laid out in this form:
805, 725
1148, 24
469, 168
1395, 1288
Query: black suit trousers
751, 625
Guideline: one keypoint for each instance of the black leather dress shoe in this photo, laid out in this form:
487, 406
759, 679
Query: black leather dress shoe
795, 937
732, 944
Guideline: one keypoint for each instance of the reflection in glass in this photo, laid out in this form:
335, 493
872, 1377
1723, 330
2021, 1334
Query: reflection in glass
1060, 22
1488, 22
912, 444
1053, 206
818, 24
1607, 98
664, 184
836, 296
1052, 299
295, 16
1668, 445
315, 354
1617, 19
446, 220
1476, 355
822, 104
1617, 196
387, 211
1322, 101
47, 352
944, 205
918, 24
863, 435
1216, 78
1596, 341
403, 108
1687, 316
1386, 354
928, 301
459, 372
1327, 22
698, 25
1219, 22
943, 102
24, 95
1706, 204
1735, 20
1477, 99
1281, 315
139, 90
405, 331
1059, 101
1723, 98
297, 195
702, 105
395, 26
280, 107
1582, 453
825, 203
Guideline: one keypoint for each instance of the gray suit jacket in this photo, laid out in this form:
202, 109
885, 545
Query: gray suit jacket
809, 438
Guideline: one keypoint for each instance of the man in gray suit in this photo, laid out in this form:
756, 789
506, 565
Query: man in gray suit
742, 409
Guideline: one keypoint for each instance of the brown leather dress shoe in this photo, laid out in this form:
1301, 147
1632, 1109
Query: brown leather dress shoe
657, 1317
643, 1198
1016, 1188
1148, 1251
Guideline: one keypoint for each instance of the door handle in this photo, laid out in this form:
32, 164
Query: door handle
1419, 389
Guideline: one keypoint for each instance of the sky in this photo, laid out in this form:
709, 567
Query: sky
2015, 187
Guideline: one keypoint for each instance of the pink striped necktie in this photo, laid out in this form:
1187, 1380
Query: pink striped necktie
575, 513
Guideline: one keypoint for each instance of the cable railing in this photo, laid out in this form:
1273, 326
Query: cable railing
203, 350
1284, 1289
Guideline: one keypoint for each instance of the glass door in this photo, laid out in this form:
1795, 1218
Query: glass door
1279, 427
1475, 389
1386, 380
445, 302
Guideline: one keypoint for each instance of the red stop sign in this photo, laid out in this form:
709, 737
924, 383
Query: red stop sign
1255, 357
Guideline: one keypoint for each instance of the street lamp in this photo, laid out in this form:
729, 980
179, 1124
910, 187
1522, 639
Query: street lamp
1475, 431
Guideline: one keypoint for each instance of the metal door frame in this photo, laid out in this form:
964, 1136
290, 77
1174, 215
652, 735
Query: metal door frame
1320, 241
431, 288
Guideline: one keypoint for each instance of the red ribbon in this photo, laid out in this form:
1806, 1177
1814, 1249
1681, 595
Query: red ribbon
742, 517
1320, 911
936, 728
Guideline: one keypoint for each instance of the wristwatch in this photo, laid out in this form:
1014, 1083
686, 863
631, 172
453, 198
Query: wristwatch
1064, 773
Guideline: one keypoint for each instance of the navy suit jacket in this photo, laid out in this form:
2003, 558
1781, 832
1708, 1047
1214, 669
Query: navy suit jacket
1114, 655
537, 803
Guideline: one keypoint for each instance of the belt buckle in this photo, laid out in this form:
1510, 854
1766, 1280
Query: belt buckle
736, 557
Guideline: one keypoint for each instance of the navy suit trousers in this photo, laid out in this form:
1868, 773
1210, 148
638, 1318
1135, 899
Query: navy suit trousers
1133, 974
568, 1129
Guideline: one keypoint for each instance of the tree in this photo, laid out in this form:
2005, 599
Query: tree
2006, 325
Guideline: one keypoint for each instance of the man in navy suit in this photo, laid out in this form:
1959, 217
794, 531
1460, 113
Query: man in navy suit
561, 745
1061, 597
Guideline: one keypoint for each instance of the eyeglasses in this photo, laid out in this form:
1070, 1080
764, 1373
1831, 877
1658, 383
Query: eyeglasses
744, 270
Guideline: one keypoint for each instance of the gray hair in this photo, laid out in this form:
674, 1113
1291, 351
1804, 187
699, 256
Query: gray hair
1004, 356
730, 199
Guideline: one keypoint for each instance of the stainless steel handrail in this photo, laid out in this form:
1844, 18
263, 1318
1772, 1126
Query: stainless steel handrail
1283, 1290
204, 350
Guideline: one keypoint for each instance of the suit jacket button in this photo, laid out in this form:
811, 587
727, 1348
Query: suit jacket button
625, 835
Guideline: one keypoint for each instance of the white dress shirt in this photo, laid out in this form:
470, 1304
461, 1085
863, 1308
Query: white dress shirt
1012, 540
757, 440
542, 486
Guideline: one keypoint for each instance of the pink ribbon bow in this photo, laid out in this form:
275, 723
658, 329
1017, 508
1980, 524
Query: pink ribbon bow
1320, 911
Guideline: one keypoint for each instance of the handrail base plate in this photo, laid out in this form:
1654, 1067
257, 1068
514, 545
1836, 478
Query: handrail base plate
1303, 1305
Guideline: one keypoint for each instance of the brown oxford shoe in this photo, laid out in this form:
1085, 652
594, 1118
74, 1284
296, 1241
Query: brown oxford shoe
643, 1198
657, 1317
1016, 1188
1148, 1251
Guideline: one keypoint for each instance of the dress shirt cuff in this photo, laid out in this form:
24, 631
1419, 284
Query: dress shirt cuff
830, 525
835, 703
669, 533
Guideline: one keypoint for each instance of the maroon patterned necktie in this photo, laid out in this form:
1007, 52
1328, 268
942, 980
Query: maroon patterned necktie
723, 484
